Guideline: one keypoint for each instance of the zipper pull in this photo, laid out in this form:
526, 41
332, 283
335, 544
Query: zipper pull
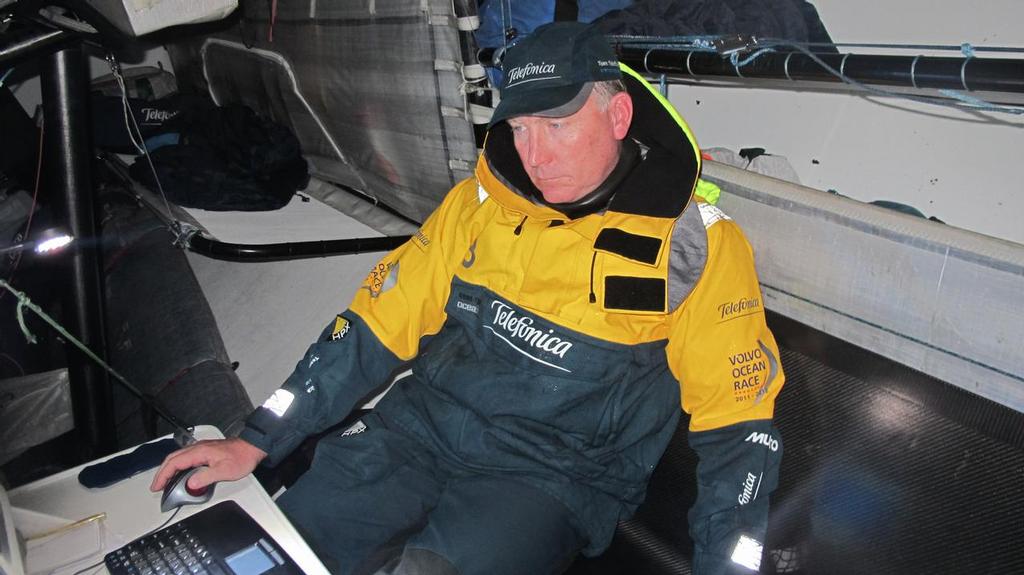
519, 228
593, 296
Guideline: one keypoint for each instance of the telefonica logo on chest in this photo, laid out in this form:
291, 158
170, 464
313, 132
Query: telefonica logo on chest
520, 73
521, 327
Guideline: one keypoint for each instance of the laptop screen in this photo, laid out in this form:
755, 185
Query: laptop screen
10, 551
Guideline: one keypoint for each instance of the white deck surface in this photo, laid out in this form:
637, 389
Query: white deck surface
269, 313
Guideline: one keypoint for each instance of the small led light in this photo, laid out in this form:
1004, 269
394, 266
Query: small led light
47, 242
53, 244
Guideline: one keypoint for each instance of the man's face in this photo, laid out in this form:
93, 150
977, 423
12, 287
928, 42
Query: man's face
567, 158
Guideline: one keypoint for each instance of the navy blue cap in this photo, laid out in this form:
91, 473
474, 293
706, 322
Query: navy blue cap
552, 71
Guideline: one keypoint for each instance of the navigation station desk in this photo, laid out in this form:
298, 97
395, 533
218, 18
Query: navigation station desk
49, 514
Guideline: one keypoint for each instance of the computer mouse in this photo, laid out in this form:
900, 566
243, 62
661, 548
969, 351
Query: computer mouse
178, 493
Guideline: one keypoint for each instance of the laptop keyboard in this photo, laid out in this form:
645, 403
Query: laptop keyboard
174, 550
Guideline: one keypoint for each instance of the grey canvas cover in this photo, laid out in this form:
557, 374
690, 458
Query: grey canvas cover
372, 89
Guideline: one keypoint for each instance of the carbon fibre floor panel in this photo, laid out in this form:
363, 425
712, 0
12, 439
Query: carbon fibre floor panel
885, 471
890, 471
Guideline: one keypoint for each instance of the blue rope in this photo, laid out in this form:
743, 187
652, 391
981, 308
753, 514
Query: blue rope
4, 77
978, 103
960, 48
734, 58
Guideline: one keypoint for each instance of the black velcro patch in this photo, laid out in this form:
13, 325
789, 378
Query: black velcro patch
634, 294
635, 247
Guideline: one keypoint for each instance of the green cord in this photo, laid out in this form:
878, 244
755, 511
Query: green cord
21, 321
25, 302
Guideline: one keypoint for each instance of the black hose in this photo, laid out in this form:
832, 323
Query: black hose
201, 244
293, 250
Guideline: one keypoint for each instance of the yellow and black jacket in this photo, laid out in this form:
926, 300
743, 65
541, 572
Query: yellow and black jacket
560, 350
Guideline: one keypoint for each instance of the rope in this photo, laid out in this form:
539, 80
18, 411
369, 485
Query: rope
960, 48
734, 58
977, 103
25, 302
134, 131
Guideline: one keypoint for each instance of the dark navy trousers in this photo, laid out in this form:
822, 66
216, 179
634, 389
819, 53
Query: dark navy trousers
375, 501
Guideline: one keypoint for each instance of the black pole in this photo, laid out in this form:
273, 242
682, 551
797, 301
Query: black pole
934, 72
16, 47
68, 155
293, 250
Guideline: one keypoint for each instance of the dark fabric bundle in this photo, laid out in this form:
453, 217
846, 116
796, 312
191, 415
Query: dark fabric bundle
227, 158
795, 20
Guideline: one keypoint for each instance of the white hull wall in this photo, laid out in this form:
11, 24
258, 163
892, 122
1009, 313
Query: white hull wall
961, 168
935, 298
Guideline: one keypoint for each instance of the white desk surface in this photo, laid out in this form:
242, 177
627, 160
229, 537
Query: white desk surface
132, 510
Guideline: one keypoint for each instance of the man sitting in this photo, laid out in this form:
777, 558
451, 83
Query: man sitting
556, 310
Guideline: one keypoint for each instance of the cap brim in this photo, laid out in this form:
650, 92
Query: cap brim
547, 102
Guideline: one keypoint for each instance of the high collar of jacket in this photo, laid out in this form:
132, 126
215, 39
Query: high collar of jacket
660, 187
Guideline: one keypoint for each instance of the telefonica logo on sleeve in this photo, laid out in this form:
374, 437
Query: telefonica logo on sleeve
751, 485
521, 74
732, 308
